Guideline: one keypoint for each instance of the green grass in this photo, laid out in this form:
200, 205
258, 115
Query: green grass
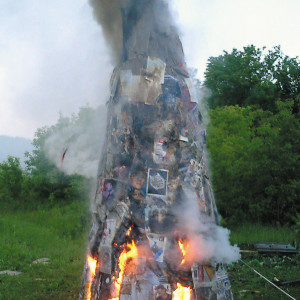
249, 234
58, 234
61, 235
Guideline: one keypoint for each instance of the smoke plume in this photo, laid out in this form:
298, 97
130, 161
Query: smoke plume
207, 240
108, 15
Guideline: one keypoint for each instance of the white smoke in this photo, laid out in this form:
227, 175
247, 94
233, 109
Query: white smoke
81, 141
207, 241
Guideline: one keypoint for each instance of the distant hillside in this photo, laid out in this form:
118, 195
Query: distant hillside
14, 146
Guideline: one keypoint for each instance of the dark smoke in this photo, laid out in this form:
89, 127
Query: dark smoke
108, 15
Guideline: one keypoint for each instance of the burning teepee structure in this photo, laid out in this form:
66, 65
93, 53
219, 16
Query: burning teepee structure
142, 244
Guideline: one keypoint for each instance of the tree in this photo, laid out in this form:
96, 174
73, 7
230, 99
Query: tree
50, 183
47, 181
11, 178
255, 158
42, 183
253, 76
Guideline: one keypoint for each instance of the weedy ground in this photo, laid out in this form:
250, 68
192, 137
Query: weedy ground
61, 234
248, 285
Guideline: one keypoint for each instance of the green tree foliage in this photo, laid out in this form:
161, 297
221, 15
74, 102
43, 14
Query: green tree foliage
47, 180
42, 183
49, 183
11, 179
253, 76
254, 133
254, 160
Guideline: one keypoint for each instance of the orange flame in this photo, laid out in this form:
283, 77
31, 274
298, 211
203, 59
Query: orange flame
129, 231
92, 263
124, 256
183, 247
182, 293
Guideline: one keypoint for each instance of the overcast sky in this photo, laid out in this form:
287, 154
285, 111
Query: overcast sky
53, 57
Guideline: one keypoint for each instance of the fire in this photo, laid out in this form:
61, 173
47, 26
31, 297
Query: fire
92, 263
129, 231
183, 247
182, 293
124, 256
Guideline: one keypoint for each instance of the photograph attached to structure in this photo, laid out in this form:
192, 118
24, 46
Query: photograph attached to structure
157, 182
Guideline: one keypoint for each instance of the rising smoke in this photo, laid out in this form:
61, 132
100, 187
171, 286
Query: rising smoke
108, 15
213, 240
81, 142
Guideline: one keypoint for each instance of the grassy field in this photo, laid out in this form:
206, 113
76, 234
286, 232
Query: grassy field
58, 234
61, 233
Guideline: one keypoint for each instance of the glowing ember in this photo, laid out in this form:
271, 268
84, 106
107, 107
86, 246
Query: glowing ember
129, 231
183, 247
92, 263
125, 255
182, 293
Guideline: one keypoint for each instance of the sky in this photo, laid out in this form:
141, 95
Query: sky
54, 59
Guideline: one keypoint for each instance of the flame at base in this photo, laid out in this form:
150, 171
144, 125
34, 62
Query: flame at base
182, 293
125, 255
92, 263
